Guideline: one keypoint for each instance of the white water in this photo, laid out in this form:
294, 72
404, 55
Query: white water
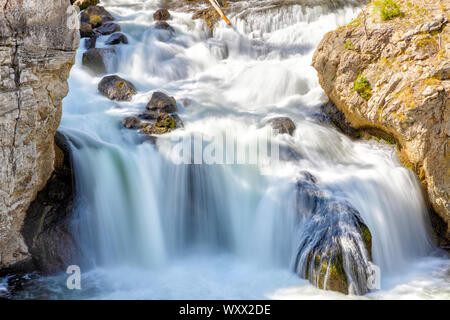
151, 229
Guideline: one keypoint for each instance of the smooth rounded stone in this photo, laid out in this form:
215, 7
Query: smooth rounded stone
283, 125
161, 15
94, 59
89, 14
117, 38
162, 25
131, 123
84, 4
108, 28
86, 30
116, 88
162, 102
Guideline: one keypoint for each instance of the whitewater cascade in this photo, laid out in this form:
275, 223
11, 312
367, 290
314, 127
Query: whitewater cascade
150, 228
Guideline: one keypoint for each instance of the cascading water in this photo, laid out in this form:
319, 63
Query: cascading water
149, 228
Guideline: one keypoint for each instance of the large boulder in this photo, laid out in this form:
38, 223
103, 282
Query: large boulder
162, 102
161, 15
37, 50
335, 246
116, 88
83, 4
391, 76
94, 59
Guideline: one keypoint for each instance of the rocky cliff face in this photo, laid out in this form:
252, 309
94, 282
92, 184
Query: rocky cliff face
389, 70
38, 40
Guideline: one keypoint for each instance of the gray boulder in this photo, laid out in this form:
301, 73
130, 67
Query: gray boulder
162, 102
117, 38
116, 88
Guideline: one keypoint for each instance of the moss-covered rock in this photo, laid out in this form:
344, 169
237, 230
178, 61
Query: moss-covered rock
116, 88
84, 4
335, 246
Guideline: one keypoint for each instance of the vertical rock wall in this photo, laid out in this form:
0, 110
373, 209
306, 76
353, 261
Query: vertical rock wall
38, 41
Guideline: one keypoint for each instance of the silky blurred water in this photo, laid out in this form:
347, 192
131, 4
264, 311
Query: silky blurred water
151, 229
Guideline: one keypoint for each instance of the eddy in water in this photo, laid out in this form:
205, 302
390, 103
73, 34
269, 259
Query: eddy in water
205, 167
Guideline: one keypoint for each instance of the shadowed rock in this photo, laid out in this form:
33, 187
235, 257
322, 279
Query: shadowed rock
94, 59
108, 28
117, 38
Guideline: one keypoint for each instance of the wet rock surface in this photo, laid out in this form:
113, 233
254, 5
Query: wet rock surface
162, 102
115, 88
94, 59
117, 38
47, 226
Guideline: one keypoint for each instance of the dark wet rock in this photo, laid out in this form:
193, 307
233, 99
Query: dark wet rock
94, 59
149, 115
288, 153
92, 14
162, 25
47, 225
283, 125
116, 88
108, 28
90, 43
161, 15
131, 123
117, 38
335, 246
86, 30
162, 102
179, 123
84, 4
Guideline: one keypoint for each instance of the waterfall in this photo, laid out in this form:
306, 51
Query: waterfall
149, 228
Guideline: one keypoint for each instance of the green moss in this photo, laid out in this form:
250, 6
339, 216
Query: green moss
387, 9
95, 20
362, 86
349, 45
367, 238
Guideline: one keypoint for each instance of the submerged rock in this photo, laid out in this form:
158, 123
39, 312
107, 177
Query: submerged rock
117, 38
90, 43
94, 59
164, 26
162, 102
161, 15
283, 125
116, 88
335, 245
131, 123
